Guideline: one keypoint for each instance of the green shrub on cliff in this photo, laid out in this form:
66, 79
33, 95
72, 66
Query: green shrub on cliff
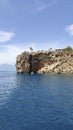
68, 48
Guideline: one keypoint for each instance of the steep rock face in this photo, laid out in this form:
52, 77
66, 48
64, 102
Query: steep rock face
23, 63
45, 62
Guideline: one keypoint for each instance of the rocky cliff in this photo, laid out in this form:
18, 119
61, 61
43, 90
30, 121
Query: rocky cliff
58, 61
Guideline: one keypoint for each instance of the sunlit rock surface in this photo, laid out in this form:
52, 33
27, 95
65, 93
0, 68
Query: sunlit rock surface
58, 61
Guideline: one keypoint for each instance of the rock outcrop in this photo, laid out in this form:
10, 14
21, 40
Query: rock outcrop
58, 61
23, 63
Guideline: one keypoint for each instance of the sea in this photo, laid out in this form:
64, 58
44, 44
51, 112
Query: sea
36, 102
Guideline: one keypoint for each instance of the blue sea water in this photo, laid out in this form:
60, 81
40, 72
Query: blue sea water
36, 102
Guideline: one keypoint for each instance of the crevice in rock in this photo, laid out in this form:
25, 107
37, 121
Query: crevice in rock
30, 62
45, 62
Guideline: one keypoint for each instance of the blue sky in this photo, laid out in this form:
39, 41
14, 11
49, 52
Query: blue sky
41, 24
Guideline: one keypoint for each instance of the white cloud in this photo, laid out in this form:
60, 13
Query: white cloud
33, 7
38, 6
8, 53
6, 36
69, 29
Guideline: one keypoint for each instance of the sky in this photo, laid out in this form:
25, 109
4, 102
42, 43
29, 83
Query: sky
41, 24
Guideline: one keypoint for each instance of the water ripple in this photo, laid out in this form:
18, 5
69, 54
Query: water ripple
36, 102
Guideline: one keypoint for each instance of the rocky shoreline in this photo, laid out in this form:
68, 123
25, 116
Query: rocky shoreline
57, 61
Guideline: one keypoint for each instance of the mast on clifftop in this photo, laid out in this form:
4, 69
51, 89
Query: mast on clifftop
31, 50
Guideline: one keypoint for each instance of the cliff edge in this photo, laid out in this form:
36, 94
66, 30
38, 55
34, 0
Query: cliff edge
58, 61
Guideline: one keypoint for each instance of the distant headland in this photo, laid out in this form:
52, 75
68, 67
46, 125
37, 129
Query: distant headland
51, 61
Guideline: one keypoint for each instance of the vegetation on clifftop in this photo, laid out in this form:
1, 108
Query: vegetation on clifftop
68, 48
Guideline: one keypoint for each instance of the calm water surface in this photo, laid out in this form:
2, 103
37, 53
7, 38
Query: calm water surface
36, 102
